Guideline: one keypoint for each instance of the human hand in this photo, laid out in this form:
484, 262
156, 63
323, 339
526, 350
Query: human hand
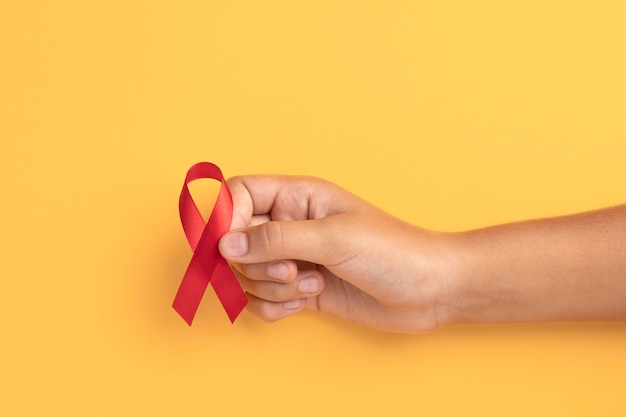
303, 243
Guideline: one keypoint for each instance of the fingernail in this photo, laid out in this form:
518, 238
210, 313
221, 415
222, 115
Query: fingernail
292, 304
309, 285
235, 244
278, 270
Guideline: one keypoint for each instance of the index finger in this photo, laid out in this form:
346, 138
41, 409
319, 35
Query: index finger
280, 197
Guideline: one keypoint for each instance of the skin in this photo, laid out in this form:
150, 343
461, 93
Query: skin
304, 243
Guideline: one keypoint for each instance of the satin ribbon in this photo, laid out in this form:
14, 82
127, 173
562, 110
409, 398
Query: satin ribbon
207, 264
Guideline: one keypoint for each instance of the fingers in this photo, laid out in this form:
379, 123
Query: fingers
308, 283
275, 300
243, 203
270, 311
283, 198
319, 241
279, 271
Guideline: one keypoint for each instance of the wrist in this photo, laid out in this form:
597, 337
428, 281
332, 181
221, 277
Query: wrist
467, 292
446, 295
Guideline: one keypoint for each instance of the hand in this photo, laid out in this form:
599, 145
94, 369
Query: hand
304, 243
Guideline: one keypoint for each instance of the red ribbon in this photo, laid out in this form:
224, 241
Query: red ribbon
207, 264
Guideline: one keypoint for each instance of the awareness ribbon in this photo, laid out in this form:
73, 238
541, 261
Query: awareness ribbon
207, 264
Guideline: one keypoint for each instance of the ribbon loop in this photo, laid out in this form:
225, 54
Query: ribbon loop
207, 264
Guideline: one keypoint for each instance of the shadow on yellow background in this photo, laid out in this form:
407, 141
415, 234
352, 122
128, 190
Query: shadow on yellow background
450, 116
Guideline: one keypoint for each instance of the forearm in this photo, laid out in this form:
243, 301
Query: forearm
562, 269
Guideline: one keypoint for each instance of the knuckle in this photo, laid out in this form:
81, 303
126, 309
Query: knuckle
275, 292
234, 180
271, 236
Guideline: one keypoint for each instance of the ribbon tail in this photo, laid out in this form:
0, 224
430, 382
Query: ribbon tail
228, 290
190, 292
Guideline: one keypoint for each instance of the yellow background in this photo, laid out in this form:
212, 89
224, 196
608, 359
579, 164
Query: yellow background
451, 116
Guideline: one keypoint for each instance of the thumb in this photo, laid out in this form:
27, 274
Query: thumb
316, 241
